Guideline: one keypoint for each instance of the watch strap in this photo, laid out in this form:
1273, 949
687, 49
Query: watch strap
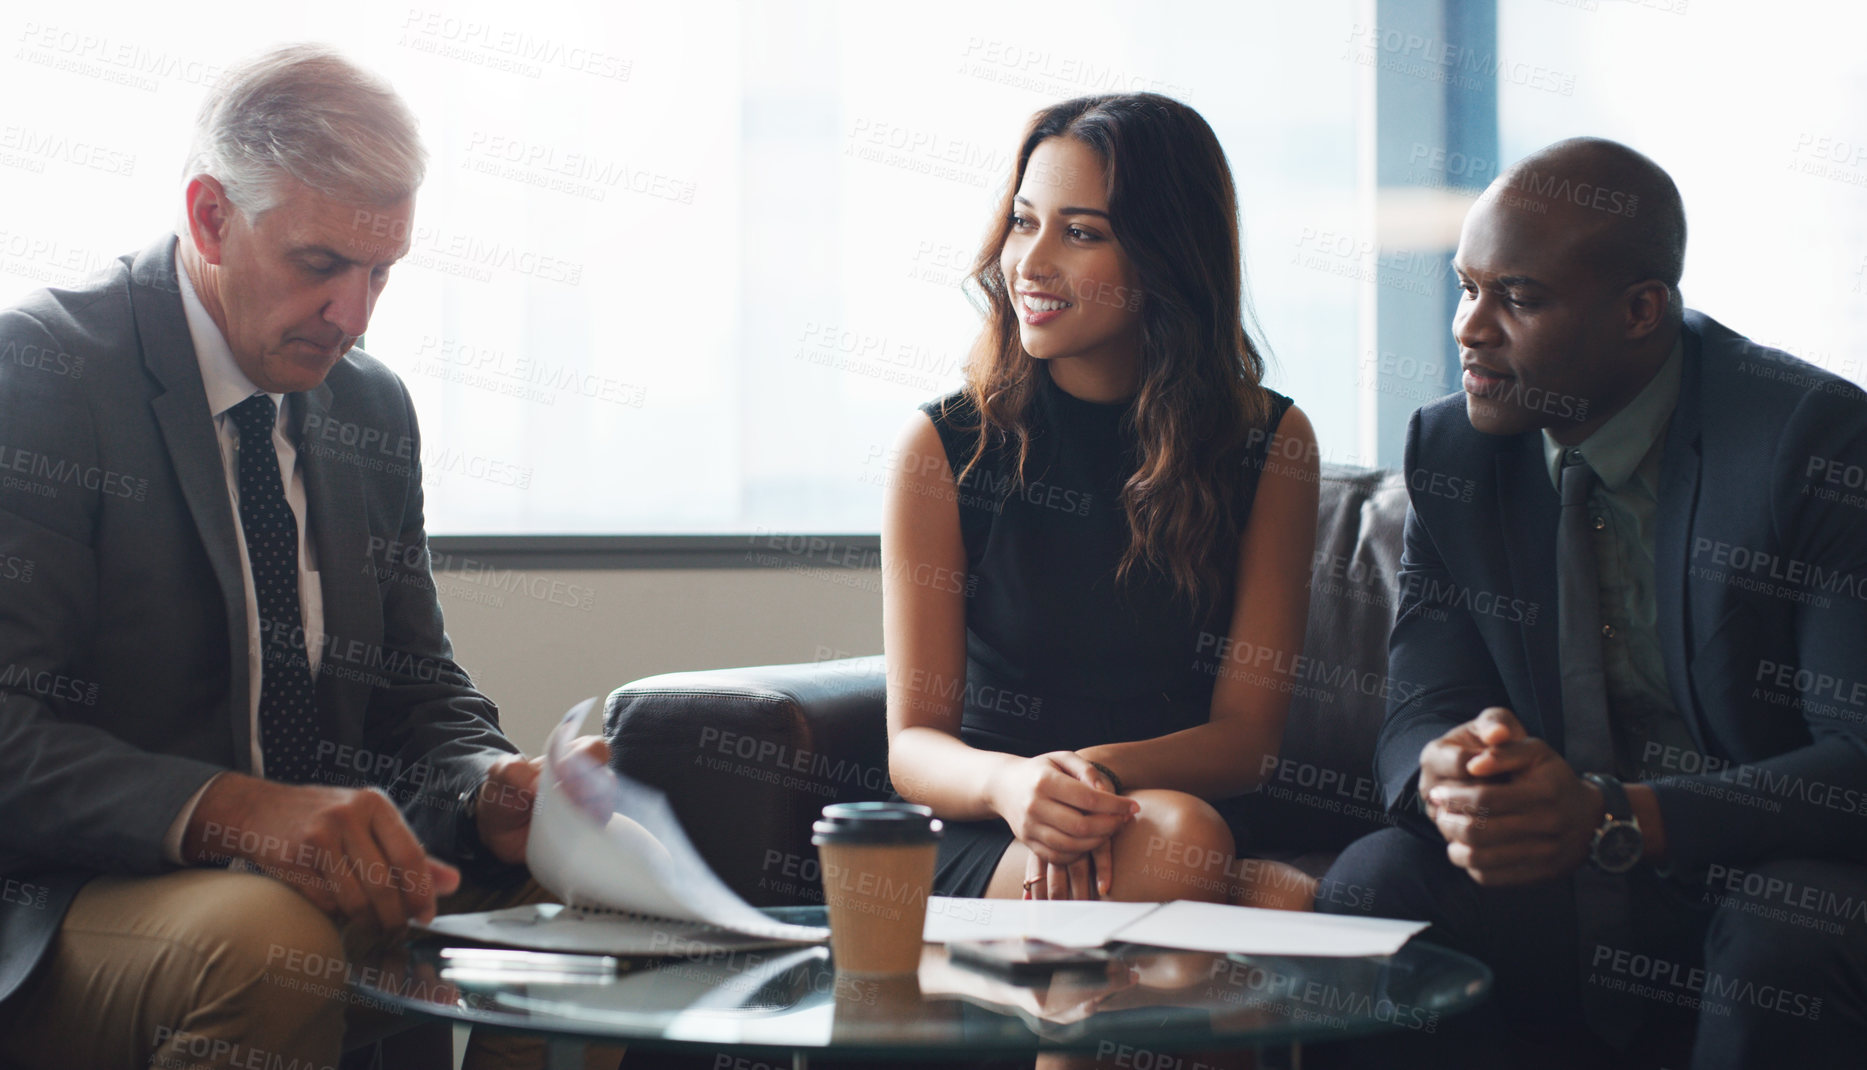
468, 849
1614, 795
1618, 824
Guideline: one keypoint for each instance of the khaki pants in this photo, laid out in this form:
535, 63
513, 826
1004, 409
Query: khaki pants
208, 968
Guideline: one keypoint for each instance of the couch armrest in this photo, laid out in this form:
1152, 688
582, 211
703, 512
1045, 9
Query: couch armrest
748, 757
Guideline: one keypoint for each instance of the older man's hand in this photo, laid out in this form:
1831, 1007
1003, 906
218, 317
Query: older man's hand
347, 850
504, 813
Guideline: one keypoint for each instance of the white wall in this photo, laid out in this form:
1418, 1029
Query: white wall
538, 647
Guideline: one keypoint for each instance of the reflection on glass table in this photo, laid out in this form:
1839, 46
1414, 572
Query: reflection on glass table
794, 1001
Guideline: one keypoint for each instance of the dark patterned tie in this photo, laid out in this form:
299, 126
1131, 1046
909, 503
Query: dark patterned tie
1601, 900
1588, 741
288, 726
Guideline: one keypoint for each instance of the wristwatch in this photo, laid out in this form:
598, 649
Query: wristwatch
1619, 843
468, 849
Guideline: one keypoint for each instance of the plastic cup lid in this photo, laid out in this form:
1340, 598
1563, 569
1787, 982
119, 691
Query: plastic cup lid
876, 822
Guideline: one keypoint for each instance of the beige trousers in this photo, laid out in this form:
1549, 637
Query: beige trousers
205, 968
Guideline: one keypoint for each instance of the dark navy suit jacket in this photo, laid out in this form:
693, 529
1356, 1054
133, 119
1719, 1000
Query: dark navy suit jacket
1761, 584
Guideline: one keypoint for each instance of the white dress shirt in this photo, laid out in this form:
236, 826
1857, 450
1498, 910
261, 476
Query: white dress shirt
228, 386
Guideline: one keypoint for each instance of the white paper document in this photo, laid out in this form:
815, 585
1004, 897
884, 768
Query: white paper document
631, 881
1069, 923
1255, 931
1181, 924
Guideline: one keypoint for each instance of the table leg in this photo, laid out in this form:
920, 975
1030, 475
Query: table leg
565, 1053
800, 1061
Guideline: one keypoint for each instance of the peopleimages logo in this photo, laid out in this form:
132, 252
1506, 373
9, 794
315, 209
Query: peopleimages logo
63, 470
1448, 63
776, 756
24, 145
1802, 577
1282, 666
1693, 986
1425, 590
1580, 194
506, 47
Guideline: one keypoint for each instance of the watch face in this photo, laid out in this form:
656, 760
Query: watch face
1618, 847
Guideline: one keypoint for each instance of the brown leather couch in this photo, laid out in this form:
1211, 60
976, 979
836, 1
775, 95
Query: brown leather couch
749, 756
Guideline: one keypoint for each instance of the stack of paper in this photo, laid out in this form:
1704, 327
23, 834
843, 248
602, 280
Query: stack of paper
632, 883
1181, 924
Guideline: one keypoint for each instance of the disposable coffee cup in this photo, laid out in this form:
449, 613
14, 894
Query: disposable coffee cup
877, 861
880, 1007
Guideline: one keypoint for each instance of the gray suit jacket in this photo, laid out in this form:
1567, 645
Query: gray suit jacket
123, 640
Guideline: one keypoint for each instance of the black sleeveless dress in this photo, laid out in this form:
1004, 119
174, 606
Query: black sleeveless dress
1058, 657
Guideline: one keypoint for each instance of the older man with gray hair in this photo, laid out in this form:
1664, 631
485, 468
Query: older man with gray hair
233, 739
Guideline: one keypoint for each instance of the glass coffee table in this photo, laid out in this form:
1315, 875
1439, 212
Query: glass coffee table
792, 1001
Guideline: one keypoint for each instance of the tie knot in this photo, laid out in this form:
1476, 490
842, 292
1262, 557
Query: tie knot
255, 417
1578, 478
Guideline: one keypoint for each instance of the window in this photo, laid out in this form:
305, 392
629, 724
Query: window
687, 268
1772, 164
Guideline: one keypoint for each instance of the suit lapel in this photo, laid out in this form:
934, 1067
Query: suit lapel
1528, 510
187, 427
1679, 486
339, 530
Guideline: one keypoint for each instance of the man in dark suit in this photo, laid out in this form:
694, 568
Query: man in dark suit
1629, 767
233, 741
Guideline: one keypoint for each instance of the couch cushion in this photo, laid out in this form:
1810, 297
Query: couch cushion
1320, 792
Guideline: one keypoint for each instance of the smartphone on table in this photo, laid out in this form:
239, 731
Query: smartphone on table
1022, 958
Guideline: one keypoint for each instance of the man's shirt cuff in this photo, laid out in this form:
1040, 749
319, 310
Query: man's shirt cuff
172, 843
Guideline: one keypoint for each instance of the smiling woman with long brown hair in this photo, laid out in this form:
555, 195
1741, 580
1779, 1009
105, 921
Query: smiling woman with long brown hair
1079, 544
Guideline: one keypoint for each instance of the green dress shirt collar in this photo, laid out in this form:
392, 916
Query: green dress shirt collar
1617, 447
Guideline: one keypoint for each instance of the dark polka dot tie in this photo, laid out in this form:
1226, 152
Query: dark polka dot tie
288, 725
